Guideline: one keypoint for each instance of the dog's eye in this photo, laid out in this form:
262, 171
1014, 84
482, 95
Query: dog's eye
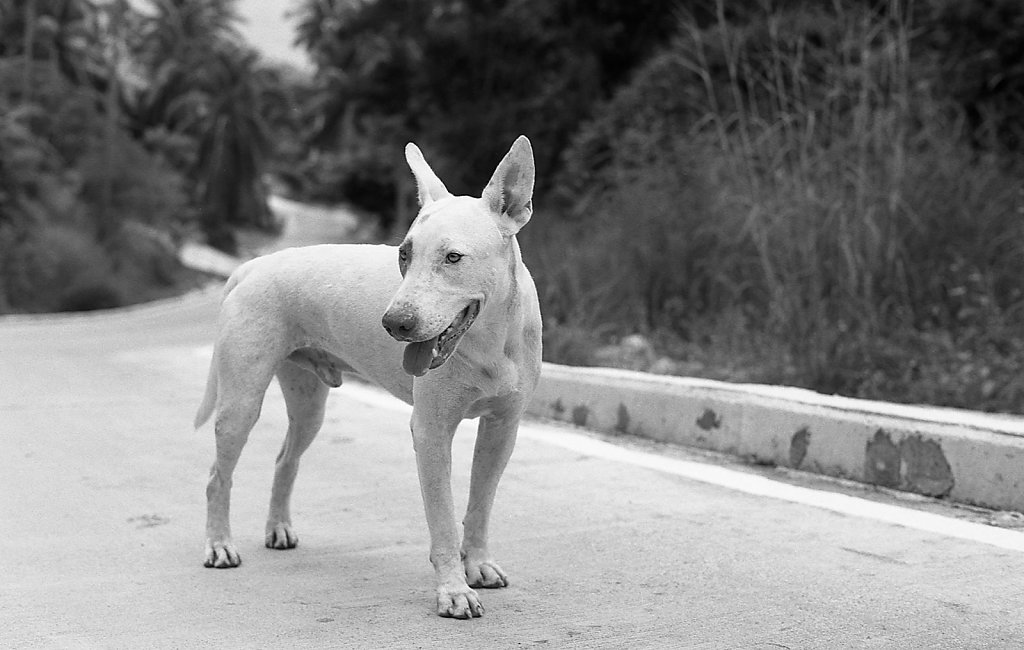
453, 258
403, 260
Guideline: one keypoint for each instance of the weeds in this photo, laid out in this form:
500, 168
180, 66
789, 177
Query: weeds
801, 182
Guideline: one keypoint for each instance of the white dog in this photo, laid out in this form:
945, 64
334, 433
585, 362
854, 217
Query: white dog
456, 293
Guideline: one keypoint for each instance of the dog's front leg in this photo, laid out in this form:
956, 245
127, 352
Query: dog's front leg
495, 439
432, 438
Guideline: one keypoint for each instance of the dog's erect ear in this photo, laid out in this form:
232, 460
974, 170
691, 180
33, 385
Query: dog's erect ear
510, 192
428, 185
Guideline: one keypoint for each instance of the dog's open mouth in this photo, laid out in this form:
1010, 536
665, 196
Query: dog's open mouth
432, 353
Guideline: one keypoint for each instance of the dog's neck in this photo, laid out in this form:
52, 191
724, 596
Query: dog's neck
496, 336
511, 297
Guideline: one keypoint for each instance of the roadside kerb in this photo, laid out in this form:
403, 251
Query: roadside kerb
964, 456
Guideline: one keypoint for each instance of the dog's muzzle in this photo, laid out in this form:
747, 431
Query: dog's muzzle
428, 354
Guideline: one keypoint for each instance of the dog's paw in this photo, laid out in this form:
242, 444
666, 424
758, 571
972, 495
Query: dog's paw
221, 555
281, 536
458, 601
483, 573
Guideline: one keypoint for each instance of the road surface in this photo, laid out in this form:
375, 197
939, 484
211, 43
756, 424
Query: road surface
102, 503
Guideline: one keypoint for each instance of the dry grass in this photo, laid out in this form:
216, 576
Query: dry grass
820, 200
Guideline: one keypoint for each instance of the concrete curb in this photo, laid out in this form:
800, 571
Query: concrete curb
964, 456
200, 257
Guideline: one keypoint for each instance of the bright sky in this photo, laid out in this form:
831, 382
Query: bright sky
267, 29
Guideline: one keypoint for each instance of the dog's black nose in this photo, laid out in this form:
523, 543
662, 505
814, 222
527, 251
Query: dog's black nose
399, 323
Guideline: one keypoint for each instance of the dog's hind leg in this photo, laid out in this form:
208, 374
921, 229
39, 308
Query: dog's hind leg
243, 379
305, 396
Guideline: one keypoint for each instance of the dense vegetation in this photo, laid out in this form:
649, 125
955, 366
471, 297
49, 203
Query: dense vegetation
121, 132
819, 194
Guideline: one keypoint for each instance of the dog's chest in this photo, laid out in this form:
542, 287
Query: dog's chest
497, 384
499, 377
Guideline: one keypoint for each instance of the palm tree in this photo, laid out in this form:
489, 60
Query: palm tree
206, 86
185, 31
234, 142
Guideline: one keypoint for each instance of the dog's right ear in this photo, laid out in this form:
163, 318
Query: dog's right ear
509, 194
428, 185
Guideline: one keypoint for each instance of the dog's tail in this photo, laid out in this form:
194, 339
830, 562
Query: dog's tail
210, 398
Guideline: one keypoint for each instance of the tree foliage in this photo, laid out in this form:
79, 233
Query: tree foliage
203, 109
117, 122
466, 77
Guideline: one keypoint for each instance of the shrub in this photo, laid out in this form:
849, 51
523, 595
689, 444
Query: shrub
55, 268
363, 176
65, 195
640, 255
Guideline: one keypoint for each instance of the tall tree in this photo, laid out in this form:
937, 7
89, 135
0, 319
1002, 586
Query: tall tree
202, 107
233, 142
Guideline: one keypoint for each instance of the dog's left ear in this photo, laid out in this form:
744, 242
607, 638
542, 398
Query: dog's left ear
509, 194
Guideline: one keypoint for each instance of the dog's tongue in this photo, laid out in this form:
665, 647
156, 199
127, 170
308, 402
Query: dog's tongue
418, 357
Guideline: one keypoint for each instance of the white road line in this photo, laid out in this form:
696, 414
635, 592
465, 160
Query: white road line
735, 480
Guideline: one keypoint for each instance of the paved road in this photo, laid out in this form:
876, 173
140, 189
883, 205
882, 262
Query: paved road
102, 502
